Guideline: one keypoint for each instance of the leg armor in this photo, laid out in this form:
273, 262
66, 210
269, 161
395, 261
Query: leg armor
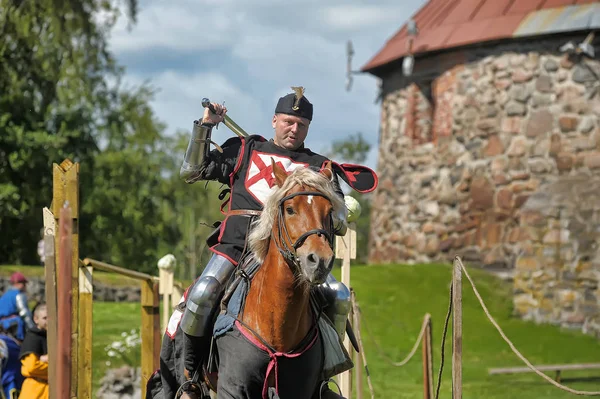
197, 150
203, 298
338, 303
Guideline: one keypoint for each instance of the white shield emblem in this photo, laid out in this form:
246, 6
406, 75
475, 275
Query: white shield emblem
260, 179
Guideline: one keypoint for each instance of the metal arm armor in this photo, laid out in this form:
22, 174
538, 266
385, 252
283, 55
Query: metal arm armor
338, 298
197, 150
204, 297
24, 310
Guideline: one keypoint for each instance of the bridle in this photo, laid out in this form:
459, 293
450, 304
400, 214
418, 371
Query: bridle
289, 253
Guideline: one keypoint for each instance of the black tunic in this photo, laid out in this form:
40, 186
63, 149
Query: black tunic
245, 167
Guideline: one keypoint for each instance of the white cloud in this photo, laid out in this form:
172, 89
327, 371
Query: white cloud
250, 53
359, 17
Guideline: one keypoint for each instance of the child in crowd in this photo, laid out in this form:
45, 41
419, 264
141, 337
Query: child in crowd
34, 357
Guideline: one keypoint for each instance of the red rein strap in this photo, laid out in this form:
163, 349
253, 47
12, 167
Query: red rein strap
273, 365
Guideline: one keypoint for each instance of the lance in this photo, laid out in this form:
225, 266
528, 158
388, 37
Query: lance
234, 127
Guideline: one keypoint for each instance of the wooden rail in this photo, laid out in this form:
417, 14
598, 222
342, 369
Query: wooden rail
150, 330
549, 367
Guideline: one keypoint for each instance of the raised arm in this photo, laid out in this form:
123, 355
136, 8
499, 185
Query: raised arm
199, 162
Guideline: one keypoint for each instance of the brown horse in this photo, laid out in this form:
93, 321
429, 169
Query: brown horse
276, 329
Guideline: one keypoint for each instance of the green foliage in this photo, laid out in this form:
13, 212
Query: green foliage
62, 97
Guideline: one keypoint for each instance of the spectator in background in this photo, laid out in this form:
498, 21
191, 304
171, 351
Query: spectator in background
34, 357
10, 366
14, 308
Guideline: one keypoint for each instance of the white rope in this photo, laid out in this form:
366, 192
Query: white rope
512, 346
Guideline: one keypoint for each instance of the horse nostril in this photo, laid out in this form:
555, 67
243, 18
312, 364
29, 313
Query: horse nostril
313, 259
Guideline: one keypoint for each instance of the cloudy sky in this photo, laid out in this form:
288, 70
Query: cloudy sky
248, 53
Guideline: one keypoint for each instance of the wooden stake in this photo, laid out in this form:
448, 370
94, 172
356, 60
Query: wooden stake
427, 361
346, 250
64, 380
86, 304
51, 299
150, 331
358, 363
457, 330
65, 181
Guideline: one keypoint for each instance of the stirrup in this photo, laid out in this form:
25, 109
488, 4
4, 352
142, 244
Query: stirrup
199, 390
324, 384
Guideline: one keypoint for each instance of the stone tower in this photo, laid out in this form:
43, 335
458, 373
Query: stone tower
478, 144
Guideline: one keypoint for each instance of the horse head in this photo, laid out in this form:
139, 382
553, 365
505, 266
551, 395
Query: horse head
297, 221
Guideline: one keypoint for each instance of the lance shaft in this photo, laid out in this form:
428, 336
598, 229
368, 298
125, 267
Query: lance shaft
234, 127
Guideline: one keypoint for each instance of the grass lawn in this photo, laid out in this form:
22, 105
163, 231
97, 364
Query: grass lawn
99, 276
394, 300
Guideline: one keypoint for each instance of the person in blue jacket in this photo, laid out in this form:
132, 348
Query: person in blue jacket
10, 364
14, 307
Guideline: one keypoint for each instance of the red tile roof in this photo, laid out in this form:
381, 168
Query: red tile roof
444, 24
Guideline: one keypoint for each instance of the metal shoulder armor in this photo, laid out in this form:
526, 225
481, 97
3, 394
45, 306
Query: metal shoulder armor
197, 151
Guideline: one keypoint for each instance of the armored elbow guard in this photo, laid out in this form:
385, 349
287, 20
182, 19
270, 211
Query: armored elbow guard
197, 150
200, 307
204, 297
24, 312
338, 306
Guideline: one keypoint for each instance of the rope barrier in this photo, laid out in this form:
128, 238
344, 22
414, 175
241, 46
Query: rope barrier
512, 346
413, 350
446, 322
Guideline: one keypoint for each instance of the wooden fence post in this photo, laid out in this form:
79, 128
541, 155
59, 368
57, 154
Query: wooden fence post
51, 299
86, 305
150, 333
166, 270
65, 184
358, 363
457, 329
345, 249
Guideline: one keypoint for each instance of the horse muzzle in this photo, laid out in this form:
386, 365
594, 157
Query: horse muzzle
316, 267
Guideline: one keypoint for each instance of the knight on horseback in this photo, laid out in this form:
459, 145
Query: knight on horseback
244, 165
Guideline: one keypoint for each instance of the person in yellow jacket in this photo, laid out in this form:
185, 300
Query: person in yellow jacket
34, 357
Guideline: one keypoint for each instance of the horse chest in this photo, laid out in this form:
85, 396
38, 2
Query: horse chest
244, 368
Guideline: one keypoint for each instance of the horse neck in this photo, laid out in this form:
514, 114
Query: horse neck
277, 308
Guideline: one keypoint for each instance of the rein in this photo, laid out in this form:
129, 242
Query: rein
289, 254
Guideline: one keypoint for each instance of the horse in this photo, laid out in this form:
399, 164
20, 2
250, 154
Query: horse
275, 327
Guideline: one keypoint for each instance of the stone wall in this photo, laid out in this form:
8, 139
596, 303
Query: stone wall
36, 291
463, 147
558, 270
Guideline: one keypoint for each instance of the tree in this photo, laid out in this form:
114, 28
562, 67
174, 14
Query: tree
62, 97
53, 79
355, 149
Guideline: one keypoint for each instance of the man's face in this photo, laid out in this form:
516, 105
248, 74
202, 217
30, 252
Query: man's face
41, 319
21, 286
290, 131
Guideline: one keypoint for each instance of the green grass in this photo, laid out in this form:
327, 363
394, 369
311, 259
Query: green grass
394, 299
99, 276
110, 320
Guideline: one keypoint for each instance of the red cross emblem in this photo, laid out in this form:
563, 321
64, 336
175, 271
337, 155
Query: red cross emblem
260, 179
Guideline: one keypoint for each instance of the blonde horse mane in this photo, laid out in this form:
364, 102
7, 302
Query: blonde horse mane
260, 235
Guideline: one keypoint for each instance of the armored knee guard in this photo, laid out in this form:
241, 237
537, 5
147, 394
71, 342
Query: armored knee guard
338, 303
203, 298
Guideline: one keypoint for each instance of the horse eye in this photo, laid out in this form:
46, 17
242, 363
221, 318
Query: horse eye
289, 210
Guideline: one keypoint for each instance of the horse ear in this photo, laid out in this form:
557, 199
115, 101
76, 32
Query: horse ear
280, 174
327, 171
